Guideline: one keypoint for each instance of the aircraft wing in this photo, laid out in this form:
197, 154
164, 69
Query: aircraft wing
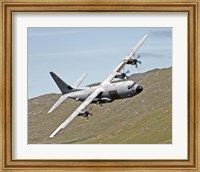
123, 62
60, 100
78, 110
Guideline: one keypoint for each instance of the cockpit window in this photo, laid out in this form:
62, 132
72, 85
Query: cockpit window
131, 86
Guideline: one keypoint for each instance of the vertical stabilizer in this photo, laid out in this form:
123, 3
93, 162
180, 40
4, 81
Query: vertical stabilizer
64, 88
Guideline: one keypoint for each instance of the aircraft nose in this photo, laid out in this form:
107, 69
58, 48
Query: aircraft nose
139, 89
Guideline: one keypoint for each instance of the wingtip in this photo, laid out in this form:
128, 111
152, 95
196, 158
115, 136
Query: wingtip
55, 132
84, 75
51, 136
50, 110
146, 36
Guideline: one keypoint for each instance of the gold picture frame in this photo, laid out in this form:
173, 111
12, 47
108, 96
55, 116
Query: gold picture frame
8, 7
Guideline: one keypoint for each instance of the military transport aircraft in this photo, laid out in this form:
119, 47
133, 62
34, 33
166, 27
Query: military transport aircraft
106, 92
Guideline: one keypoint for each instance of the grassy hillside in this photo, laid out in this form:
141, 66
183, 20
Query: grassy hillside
143, 119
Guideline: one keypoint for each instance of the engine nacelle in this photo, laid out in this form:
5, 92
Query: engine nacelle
131, 61
105, 100
84, 113
121, 76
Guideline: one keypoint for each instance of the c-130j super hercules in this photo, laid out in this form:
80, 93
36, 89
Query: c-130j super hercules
106, 92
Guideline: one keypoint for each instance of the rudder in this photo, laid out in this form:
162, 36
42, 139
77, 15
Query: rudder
64, 88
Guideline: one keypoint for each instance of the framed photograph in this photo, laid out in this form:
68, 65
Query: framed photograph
99, 85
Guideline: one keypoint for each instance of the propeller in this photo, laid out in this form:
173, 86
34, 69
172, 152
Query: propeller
126, 71
85, 113
88, 113
124, 74
136, 61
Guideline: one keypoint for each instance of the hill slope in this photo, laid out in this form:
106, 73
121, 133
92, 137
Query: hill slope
145, 118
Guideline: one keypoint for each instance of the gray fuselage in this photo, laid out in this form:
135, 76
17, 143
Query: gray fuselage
112, 91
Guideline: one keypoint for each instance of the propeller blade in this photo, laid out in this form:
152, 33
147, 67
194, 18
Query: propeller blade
138, 56
127, 72
136, 61
89, 108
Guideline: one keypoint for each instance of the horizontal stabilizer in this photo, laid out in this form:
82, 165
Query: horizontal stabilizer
89, 99
60, 100
79, 81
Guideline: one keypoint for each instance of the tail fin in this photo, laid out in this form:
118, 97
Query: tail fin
64, 88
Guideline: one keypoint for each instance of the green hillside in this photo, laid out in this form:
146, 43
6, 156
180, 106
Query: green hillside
143, 119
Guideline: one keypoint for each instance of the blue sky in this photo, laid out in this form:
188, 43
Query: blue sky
71, 52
